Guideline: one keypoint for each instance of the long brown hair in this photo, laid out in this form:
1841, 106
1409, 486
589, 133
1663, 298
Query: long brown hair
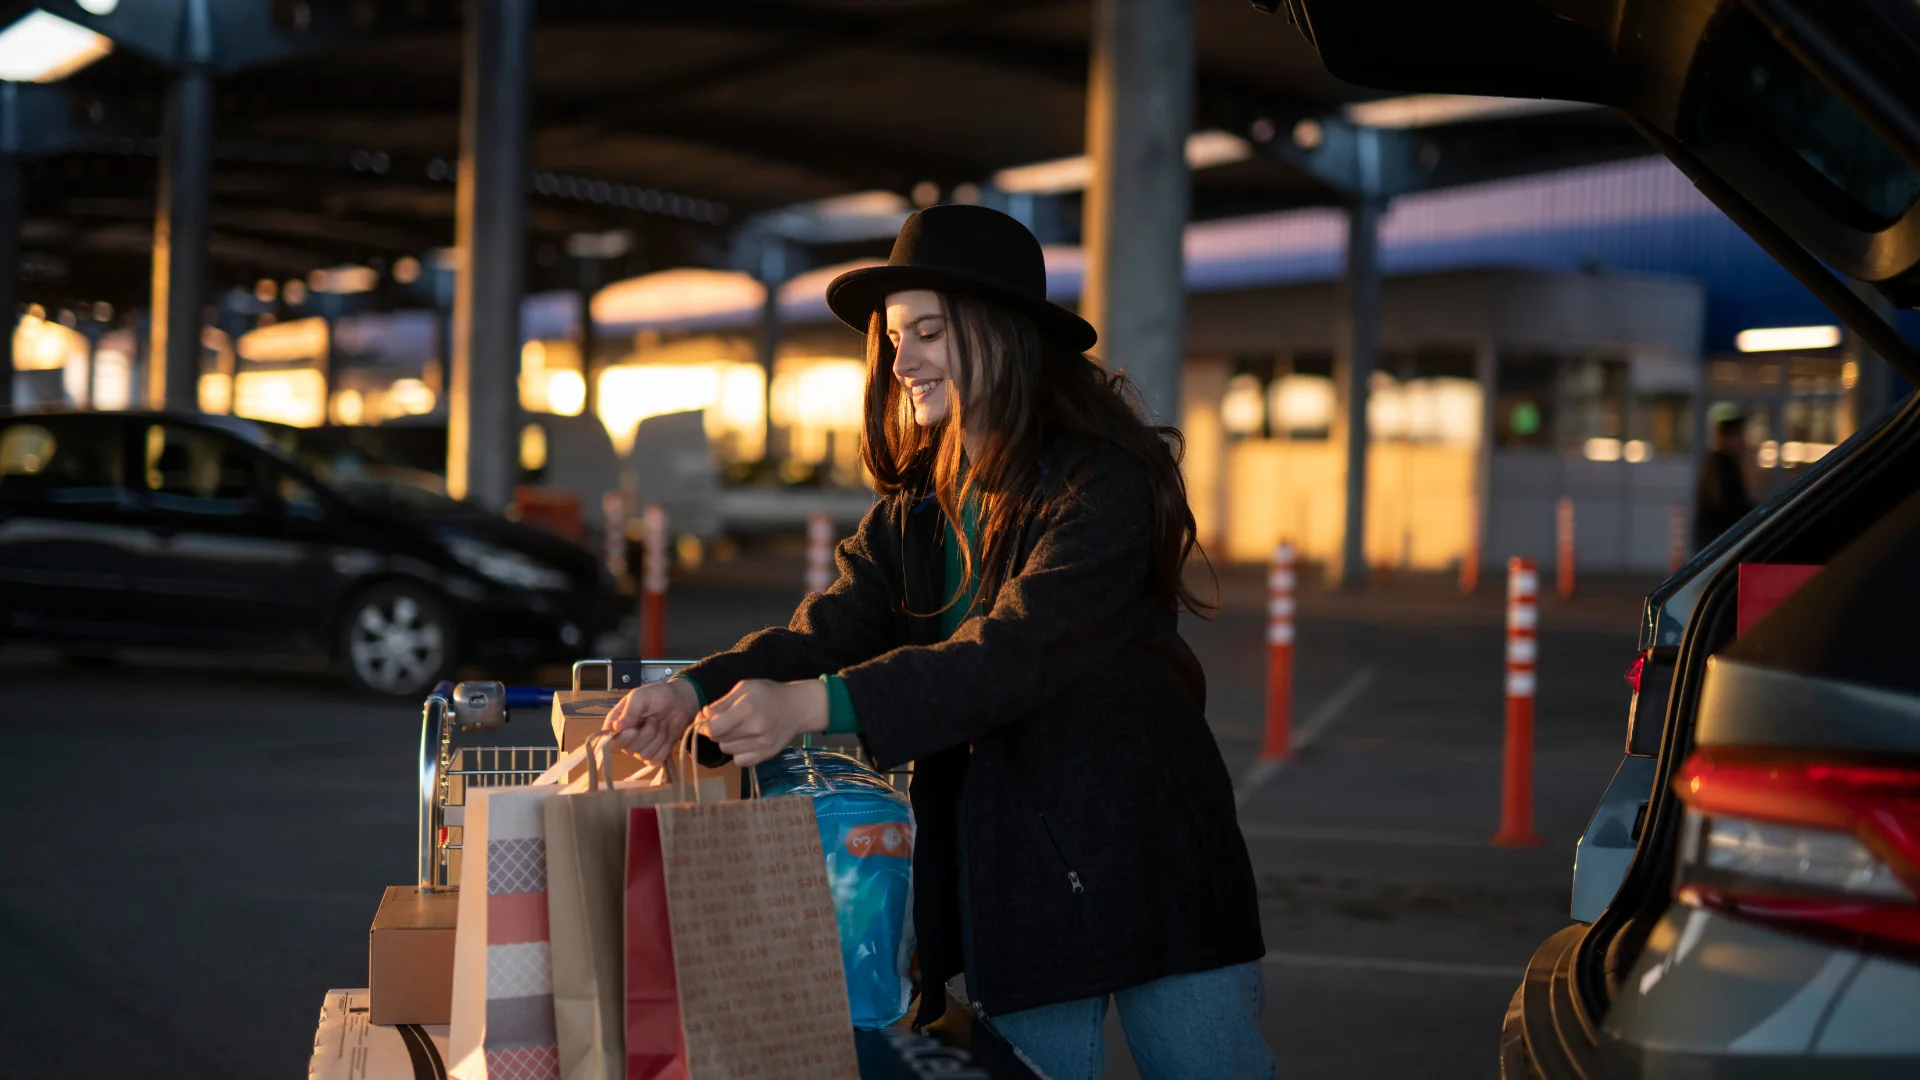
1027, 392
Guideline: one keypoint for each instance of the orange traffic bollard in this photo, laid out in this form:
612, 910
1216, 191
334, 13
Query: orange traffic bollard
819, 552
653, 582
1563, 546
1280, 578
1516, 787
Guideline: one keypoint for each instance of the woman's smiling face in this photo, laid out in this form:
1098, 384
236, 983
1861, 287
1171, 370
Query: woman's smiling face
922, 361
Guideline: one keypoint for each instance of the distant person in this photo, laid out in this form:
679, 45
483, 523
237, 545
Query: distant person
1007, 619
1720, 494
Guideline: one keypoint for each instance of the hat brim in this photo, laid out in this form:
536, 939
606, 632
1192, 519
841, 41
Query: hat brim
855, 295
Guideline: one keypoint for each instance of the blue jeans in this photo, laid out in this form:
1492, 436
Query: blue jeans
1204, 1026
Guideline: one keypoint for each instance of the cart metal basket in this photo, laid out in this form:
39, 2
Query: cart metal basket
446, 771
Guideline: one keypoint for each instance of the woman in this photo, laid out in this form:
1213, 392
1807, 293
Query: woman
1005, 618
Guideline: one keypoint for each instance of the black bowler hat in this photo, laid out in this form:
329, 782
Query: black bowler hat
969, 250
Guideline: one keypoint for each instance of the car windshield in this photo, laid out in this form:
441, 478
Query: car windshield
362, 477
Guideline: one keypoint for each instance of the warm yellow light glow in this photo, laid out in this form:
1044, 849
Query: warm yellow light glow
409, 397
1803, 453
673, 295
1782, 338
43, 47
730, 392
817, 399
566, 393
1205, 149
113, 372
216, 393
296, 397
39, 345
1602, 449
533, 448
349, 408
1242, 412
341, 280
1302, 403
1769, 455
1637, 451
1429, 110
1427, 410
301, 339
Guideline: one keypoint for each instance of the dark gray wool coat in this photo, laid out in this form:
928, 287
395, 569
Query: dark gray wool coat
1064, 726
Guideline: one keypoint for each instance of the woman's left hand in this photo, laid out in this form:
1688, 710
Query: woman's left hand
758, 718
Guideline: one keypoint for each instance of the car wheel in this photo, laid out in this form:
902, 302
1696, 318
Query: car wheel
397, 640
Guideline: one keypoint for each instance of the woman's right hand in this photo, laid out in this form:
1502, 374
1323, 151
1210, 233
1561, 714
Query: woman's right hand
650, 721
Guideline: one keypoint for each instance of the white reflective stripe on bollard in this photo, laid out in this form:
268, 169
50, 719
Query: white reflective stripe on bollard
1522, 650
1280, 607
1523, 617
1280, 579
1519, 684
1524, 583
1280, 633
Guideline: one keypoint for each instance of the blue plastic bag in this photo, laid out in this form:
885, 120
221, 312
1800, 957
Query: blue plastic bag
866, 831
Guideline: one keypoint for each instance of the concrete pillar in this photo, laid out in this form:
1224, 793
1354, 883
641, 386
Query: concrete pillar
10, 195
1139, 112
1359, 345
490, 244
181, 231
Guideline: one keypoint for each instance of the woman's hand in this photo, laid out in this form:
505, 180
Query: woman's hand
651, 719
758, 718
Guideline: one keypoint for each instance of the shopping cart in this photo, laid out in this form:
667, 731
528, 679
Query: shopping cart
446, 771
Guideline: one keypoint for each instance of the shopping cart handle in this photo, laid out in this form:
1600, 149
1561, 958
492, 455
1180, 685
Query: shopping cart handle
528, 697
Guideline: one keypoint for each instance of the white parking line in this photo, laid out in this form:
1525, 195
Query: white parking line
1326, 714
1342, 834
1393, 966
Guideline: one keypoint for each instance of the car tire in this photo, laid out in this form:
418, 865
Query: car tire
396, 640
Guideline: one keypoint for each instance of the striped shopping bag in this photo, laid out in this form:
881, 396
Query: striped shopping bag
502, 1025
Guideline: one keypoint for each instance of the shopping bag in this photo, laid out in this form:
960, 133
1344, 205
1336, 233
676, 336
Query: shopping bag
732, 959
502, 1018
866, 833
586, 859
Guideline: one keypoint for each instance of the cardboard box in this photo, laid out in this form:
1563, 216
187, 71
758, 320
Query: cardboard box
410, 957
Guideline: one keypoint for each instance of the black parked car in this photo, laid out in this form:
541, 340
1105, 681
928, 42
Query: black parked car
152, 528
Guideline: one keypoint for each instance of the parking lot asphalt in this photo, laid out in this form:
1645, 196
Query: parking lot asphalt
196, 845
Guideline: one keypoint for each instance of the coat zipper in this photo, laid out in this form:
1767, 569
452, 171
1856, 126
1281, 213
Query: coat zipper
1073, 878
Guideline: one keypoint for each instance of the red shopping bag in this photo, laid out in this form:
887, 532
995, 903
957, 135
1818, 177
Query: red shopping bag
655, 1048
733, 965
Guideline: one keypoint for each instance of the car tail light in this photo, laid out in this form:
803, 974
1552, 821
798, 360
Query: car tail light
1820, 846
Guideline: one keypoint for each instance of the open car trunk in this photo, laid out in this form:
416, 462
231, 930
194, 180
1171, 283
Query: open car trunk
1800, 120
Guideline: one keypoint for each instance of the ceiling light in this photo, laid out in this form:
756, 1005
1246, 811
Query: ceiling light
99, 7
1431, 110
43, 47
1782, 338
1205, 150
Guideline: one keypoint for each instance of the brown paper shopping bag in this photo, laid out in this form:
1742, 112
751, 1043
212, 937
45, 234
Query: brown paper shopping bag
501, 1026
733, 962
586, 861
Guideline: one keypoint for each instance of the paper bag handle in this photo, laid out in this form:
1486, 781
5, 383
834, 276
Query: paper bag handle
689, 776
599, 747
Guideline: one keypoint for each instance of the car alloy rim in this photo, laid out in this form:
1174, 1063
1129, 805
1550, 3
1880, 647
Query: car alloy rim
394, 646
